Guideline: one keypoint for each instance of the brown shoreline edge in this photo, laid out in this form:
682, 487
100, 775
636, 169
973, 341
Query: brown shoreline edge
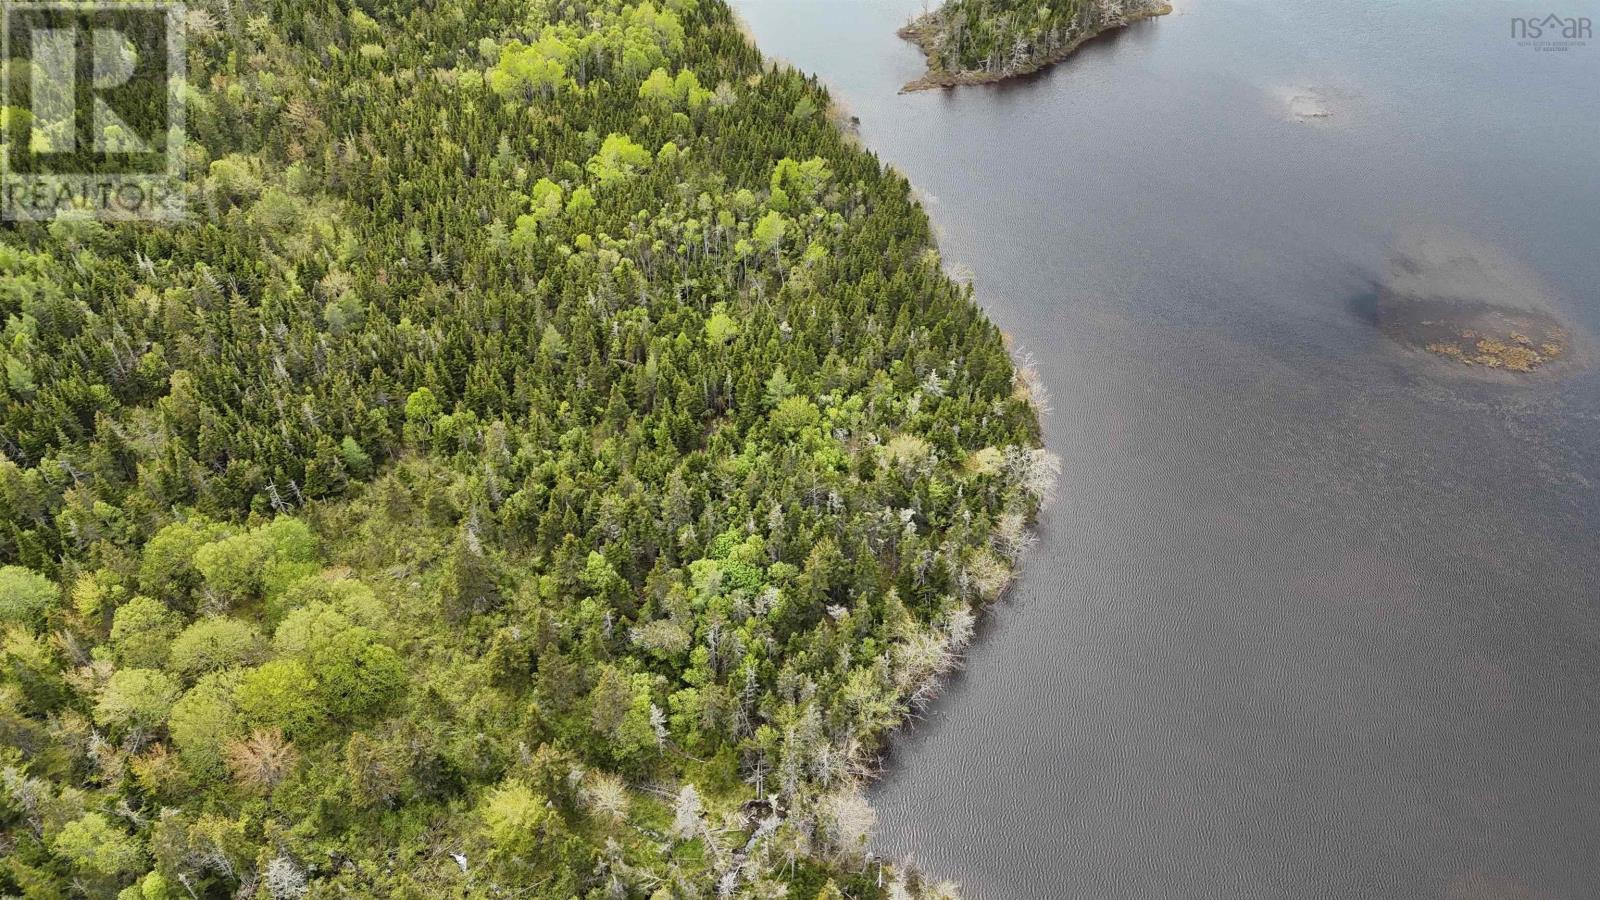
919, 33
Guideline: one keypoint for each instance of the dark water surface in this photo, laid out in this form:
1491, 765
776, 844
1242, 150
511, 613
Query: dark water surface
1313, 616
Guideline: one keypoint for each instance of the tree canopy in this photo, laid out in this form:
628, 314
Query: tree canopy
547, 464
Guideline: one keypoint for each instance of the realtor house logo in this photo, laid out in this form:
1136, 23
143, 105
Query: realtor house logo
91, 109
1552, 32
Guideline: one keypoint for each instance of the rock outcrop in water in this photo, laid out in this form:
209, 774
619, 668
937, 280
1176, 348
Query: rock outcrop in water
981, 41
1467, 301
1306, 105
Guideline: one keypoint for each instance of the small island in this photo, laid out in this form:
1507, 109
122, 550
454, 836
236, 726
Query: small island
982, 41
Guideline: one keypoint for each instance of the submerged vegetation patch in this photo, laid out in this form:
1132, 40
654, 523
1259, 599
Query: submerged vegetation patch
1497, 340
1468, 302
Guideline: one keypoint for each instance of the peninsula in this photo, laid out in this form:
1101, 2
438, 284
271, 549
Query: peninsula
548, 463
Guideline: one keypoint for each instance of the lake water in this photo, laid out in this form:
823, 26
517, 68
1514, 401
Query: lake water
1313, 616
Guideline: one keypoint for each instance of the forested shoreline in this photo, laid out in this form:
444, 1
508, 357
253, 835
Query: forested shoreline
548, 464
983, 41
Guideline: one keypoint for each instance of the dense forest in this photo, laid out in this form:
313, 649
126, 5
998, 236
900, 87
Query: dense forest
547, 463
970, 41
